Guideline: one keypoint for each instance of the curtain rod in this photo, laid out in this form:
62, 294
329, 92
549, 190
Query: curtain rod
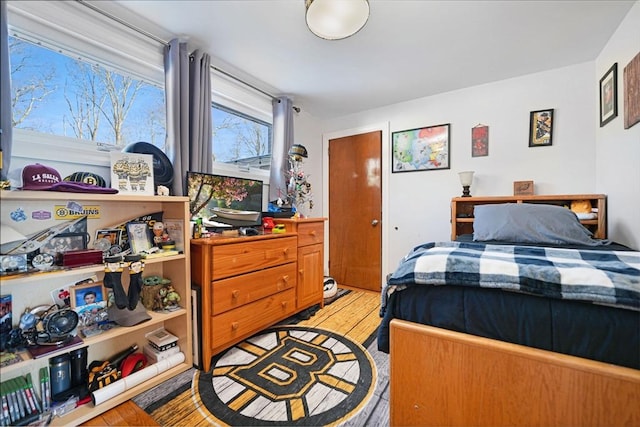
166, 43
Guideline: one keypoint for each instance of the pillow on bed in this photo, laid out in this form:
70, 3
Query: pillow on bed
530, 223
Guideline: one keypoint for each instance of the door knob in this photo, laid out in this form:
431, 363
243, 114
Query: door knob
374, 222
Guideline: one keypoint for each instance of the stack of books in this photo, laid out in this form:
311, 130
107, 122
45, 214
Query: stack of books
161, 344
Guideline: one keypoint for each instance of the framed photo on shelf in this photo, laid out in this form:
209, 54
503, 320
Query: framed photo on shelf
421, 149
175, 229
140, 239
88, 294
609, 95
541, 128
132, 173
64, 242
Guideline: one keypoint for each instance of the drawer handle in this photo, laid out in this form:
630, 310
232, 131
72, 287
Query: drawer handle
234, 325
301, 272
285, 251
313, 233
285, 278
284, 304
235, 293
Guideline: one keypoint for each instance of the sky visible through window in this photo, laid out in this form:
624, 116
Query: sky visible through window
56, 94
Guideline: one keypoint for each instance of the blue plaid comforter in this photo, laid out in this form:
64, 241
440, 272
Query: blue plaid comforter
597, 276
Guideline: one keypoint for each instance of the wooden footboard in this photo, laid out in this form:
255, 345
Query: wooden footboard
443, 378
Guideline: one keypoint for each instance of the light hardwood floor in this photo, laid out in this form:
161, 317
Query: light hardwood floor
354, 315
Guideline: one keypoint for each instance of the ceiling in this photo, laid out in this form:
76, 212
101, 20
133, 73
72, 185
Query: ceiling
407, 49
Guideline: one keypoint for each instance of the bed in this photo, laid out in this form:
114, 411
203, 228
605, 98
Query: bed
529, 321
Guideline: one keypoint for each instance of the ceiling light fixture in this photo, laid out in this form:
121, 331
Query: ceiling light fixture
336, 19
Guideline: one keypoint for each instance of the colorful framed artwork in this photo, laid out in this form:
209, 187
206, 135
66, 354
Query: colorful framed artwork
609, 95
631, 75
479, 141
541, 128
421, 149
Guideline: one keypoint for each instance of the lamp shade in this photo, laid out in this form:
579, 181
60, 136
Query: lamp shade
336, 19
466, 178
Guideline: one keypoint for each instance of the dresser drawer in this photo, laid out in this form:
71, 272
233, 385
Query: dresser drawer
239, 258
240, 290
310, 233
236, 324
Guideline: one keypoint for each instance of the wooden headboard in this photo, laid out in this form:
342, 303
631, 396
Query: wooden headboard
462, 210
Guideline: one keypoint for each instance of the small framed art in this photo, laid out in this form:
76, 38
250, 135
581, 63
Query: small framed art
631, 75
140, 239
420, 149
609, 95
523, 188
479, 141
132, 173
541, 128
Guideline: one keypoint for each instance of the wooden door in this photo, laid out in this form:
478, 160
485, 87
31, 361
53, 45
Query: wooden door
355, 210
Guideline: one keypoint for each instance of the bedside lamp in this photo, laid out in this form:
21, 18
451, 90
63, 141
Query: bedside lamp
466, 178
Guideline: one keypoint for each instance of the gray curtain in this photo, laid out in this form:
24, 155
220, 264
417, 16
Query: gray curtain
282, 141
6, 129
188, 99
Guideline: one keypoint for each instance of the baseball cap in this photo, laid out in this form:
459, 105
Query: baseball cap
81, 187
39, 177
87, 178
126, 317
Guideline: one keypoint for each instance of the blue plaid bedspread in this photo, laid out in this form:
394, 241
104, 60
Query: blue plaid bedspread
597, 276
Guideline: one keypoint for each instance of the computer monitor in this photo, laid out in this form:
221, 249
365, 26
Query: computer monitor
225, 199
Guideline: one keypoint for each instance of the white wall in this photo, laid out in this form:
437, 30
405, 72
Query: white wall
420, 201
617, 149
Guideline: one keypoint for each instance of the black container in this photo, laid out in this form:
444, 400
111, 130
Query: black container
79, 373
60, 373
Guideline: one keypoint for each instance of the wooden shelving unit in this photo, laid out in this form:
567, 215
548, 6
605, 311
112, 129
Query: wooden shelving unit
33, 288
462, 210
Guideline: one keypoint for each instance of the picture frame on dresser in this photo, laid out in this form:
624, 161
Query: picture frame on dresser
609, 95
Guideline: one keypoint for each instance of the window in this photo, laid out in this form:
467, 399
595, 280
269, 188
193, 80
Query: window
240, 139
71, 65
56, 94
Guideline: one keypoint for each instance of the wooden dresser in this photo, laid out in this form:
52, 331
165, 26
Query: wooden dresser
249, 283
310, 232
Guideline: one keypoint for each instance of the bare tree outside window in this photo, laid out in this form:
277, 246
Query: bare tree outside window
240, 139
56, 94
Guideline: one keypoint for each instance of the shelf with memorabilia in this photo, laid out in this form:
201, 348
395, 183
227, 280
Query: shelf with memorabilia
39, 210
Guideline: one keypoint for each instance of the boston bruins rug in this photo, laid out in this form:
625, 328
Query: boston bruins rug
287, 376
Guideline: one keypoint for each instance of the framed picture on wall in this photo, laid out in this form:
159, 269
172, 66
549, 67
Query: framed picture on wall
420, 149
631, 76
541, 128
479, 141
609, 95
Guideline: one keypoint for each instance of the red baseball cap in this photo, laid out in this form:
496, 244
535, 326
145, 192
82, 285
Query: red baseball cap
39, 177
